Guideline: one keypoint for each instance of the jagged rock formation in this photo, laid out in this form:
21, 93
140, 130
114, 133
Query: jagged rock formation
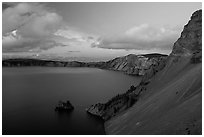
64, 106
135, 64
114, 105
169, 98
130, 64
190, 41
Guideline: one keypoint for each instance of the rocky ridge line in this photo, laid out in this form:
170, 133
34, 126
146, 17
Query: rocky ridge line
130, 64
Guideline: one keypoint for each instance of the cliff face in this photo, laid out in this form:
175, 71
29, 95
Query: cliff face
172, 100
135, 64
190, 41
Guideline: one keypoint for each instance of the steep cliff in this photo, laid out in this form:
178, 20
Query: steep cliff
135, 64
172, 100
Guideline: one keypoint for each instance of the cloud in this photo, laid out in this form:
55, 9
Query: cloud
32, 16
6, 5
19, 44
27, 26
72, 51
143, 37
75, 35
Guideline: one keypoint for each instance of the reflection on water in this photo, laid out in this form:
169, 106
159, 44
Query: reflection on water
30, 94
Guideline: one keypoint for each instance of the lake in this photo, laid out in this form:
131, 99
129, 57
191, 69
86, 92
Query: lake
30, 94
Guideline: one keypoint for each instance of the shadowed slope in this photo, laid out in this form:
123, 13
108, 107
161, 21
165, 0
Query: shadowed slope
168, 106
172, 101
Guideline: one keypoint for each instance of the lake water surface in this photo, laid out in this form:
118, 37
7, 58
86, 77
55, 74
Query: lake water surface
30, 94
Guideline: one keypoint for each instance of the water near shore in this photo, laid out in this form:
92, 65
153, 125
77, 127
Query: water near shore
30, 95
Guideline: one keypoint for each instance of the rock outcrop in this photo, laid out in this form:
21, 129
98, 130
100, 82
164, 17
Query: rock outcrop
64, 106
115, 105
135, 64
190, 41
172, 100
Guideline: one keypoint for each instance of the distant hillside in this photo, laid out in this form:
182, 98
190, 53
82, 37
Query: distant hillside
135, 64
130, 64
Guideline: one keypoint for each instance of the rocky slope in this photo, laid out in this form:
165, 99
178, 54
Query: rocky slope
124, 101
130, 64
135, 64
169, 98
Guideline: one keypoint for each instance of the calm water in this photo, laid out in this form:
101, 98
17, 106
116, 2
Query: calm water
30, 95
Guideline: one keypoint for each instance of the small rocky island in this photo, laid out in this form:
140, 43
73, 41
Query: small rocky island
64, 106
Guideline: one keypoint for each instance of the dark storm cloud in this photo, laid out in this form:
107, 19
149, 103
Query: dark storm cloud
6, 5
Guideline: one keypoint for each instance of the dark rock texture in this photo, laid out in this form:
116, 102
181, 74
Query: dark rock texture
64, 106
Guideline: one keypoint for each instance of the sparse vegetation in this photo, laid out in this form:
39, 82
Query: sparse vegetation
118, 103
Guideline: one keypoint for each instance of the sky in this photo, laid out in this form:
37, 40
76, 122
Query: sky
92, 31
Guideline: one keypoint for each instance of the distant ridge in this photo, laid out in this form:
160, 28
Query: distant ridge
131, 64
152, 55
